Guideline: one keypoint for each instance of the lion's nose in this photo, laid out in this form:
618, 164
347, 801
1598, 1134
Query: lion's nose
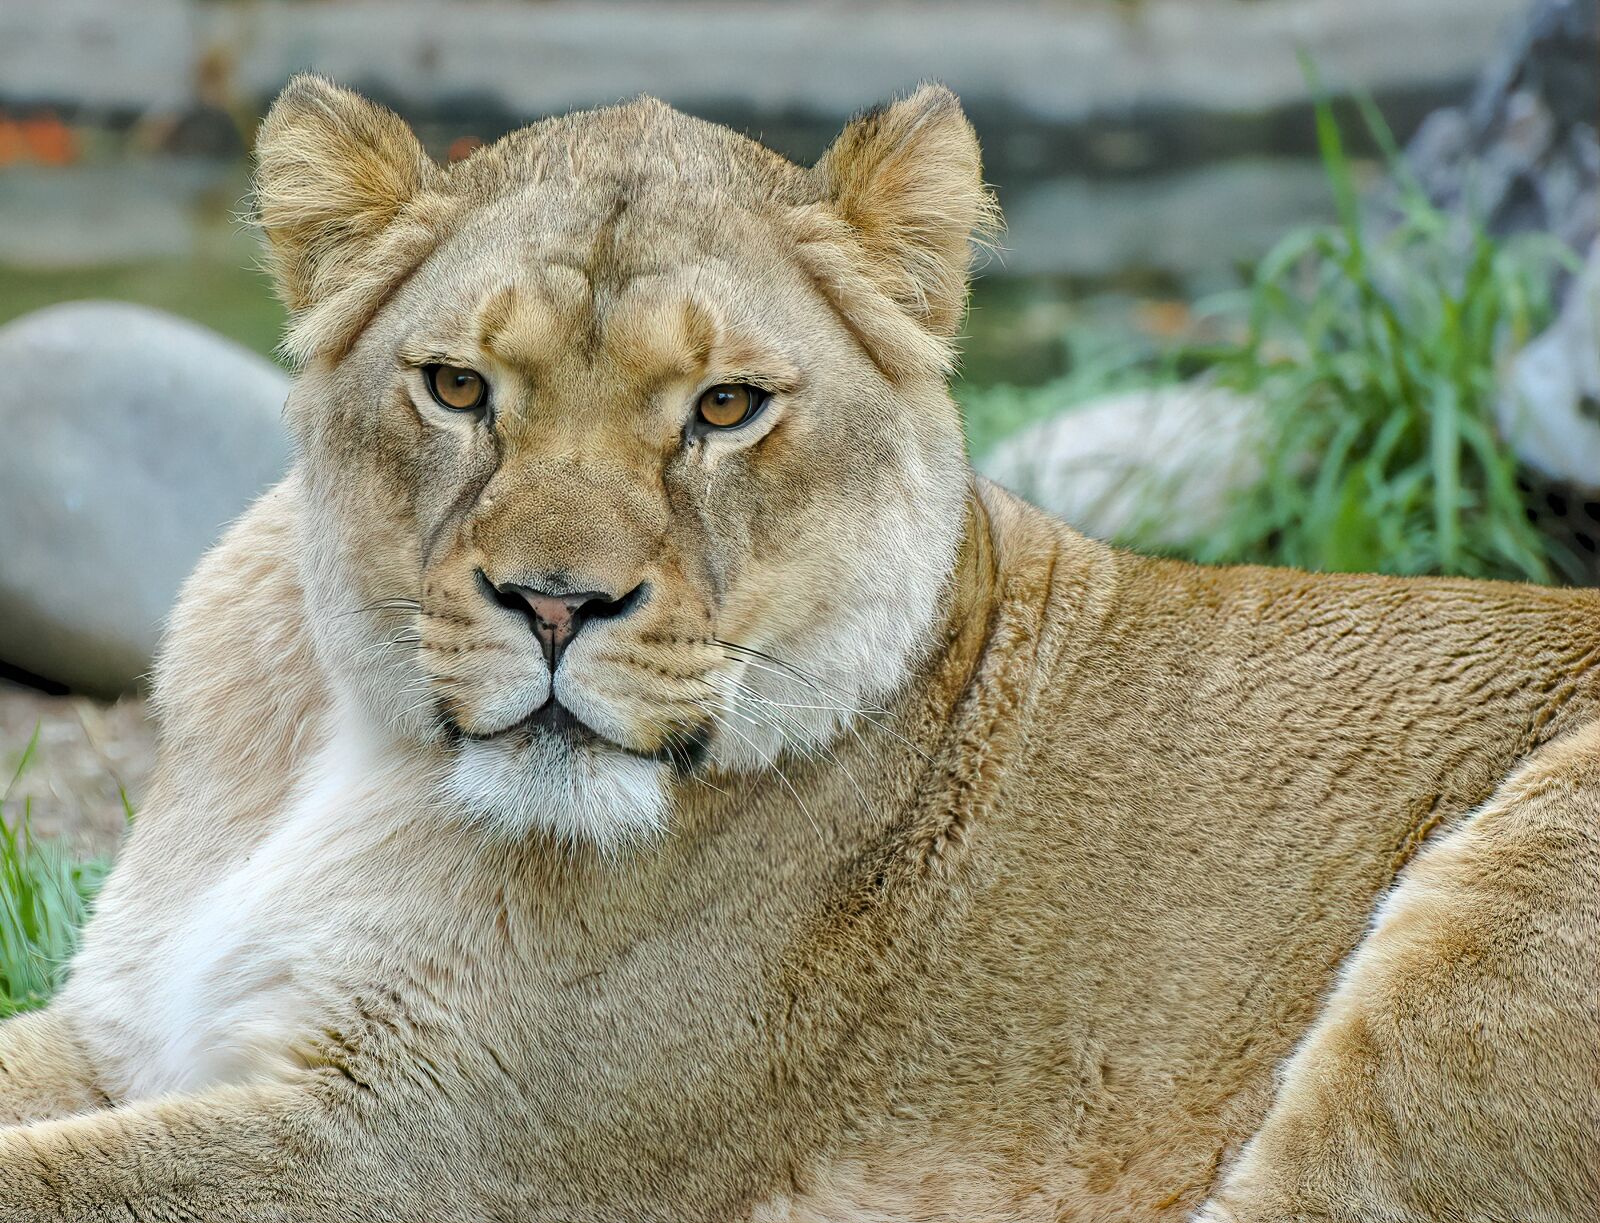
557, 618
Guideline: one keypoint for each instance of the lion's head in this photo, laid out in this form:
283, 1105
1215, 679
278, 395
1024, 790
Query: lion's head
626, 442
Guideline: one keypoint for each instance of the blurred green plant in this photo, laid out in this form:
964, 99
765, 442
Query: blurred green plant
1098, 364
44, 901
218, 290
1375, 358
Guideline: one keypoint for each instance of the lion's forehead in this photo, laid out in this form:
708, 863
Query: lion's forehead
634, 270
646, 324
621, 220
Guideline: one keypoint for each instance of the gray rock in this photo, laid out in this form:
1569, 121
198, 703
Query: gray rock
1549, 409
128, 439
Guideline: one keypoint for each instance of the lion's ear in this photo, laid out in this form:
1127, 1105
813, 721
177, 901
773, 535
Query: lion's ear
332, 171
908, 179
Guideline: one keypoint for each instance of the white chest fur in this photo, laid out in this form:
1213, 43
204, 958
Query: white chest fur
254, 960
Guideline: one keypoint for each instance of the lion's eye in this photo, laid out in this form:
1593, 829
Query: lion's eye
730, 405
456, 388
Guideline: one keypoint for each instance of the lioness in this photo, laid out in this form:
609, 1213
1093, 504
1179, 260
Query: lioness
632, 770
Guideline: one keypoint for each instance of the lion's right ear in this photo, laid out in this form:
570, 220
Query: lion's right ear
333, 171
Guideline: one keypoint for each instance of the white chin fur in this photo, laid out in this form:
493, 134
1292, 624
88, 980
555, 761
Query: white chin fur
595, 795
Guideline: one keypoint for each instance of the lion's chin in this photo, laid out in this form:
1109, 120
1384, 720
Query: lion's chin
580, 789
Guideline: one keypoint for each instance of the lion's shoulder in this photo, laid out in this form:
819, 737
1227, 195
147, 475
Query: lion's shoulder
237, 684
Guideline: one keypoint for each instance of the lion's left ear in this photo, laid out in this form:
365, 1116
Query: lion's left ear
908, 179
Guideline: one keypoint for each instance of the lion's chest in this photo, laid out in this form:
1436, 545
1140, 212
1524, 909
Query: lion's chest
259, 957
234, 986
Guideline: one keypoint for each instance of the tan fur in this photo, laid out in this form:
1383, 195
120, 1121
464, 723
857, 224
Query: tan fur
1055, 883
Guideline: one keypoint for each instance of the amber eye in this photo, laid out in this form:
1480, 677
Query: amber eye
730, 405
455, 387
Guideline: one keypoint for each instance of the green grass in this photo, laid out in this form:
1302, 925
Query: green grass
1375, 360
44, 901
1097, 364
229, 297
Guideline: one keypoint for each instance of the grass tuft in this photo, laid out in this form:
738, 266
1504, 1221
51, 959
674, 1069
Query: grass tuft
1376, 359
44, 901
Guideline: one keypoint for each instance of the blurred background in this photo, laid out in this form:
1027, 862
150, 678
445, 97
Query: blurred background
1145, 151
1299, 281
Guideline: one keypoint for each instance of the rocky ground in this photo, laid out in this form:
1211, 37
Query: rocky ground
89, 755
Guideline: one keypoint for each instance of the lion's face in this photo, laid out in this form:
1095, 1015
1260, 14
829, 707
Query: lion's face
628, 445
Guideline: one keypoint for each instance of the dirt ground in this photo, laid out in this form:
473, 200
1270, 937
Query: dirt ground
88, 756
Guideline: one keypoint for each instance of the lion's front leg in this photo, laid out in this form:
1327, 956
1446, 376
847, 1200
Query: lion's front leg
1455, 1073
304, 1153
43, 1070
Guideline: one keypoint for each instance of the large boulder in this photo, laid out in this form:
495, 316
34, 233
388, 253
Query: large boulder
128, 439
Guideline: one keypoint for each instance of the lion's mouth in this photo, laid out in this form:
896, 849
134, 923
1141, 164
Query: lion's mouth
551, 718
685, 750
556, 719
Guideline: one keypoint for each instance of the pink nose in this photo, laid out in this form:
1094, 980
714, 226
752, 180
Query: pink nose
557, 618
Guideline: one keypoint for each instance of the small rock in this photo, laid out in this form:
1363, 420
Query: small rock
1550, 408
128, 439
1160, 465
